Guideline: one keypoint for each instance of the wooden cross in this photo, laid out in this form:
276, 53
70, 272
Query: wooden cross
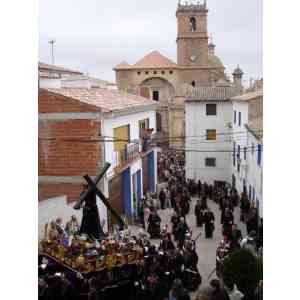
92, 188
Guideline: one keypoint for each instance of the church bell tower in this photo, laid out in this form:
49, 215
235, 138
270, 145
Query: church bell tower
192, 37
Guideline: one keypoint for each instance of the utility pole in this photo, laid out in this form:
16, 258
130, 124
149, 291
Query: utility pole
51, 42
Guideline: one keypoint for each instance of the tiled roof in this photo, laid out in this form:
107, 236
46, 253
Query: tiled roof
248, 96
154, 60
47, 67
106, 100
218, 93
123, 65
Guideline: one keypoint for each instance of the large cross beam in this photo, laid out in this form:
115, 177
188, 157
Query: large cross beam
92, 188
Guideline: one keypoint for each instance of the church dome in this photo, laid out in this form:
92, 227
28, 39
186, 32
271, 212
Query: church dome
215, 61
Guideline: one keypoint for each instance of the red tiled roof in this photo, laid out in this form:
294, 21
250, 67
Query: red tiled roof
106, 100
154, 60
58, 69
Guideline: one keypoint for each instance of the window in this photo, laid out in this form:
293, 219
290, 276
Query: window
250, 192
143, 124
234, 117
163, 72
259, 148
193, 24
122, 136
252, 149
139, 73
240, 118
171, 72
245, 153
211, 134
147, 72
239, 152
234, 153
193, 83
211, 109
155, 72
210, 162
155, 95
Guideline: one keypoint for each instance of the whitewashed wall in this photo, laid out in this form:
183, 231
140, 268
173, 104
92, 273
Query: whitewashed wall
255, 173
197, 122
133, 120
53, 208
239, 136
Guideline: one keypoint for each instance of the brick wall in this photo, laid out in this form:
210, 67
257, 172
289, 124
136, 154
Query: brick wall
62, 151
72, 191
62, 157
51, 103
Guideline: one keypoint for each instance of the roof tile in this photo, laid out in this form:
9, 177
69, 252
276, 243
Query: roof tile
106, 100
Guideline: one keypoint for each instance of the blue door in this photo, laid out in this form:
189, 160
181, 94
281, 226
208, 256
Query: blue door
126, 192
151, 173
139, 185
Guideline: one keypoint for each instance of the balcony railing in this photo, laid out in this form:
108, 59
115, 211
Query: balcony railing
126, 155
132, 151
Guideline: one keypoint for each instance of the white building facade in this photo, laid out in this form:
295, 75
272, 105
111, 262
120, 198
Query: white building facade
222, 143
247, 162
208, 134
135, 166
130, 169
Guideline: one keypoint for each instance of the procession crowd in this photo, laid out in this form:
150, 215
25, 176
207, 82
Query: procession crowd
170, 269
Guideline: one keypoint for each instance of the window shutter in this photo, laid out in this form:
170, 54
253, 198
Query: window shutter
259, 154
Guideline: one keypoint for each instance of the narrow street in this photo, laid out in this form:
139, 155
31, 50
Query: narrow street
206, 248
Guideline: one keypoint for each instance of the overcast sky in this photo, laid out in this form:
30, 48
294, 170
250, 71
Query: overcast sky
94, 35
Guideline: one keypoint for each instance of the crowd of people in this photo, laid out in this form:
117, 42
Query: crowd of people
170, 268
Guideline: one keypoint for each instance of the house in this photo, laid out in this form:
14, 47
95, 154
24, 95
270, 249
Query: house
247, 168
208, 143
224, 133
79, 130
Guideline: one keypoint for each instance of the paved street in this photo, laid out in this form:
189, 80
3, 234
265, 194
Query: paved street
206, 248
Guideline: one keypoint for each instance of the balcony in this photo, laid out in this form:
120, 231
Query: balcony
132, 151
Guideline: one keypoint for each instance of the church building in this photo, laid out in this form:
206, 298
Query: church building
159, 78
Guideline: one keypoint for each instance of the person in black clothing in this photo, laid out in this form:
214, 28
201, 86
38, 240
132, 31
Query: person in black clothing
209, 219
227, 221
178, 292
90, 223
199, 188
166, 243
162, 198
154, 224
181, 231
218, 293
199, 214
235, 237
175, 222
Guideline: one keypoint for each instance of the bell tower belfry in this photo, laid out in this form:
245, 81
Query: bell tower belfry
192, 37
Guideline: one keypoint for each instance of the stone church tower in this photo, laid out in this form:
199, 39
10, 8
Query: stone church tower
159, 78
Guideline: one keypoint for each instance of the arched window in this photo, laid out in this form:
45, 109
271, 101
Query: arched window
193, 24
193, 83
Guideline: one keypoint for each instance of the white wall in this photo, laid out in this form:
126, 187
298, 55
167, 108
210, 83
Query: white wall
255, 173
240, 138
197, 122
53, 208
49, 83
107, 130
133, 120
